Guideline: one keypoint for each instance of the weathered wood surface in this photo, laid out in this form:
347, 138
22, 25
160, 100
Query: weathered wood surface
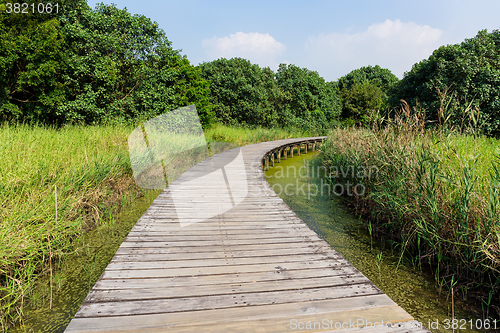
251, 266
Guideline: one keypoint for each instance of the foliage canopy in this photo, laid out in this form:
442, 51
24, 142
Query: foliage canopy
92, 66
308, 99
456, 76
363, 91
294, 97
381, 77
241, 92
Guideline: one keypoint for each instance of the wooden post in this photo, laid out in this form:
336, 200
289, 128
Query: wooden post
291, 151
285, 151
266, 163
305, 147
313, 145
279, 156
272, 159
298, 148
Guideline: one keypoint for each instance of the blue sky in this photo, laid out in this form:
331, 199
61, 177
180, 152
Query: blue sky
330, 37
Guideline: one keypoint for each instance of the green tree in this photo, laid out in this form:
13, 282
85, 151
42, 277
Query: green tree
469, 71
242, 92
31, 52
309, 101
382, 77
92, 66
190, 88
364, 90
360, 100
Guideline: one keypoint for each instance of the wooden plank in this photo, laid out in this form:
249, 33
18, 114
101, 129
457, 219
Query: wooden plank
213, 232
128, 308
222, 240
220, 252
200, 237
179, 320
231, 220
164, 291
135, 270
217, 220
198, 260
287, 324
232, 274
222, 246
143, 246
160, 260
277, 319
227, 225
258, 214
157, 234
287, 248
214, 240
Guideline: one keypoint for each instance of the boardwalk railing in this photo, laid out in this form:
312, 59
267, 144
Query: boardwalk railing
219, 251
288, 149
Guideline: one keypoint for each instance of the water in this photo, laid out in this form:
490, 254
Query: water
298, 181
76, 275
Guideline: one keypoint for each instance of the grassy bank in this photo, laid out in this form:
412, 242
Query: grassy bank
434, 195
89, 168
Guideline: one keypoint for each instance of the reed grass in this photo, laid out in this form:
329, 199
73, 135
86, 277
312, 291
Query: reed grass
436, 193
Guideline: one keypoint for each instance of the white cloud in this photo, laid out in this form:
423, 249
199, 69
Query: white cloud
256, 47
392, 44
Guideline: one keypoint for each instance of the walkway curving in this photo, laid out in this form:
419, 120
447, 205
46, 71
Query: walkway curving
219, 251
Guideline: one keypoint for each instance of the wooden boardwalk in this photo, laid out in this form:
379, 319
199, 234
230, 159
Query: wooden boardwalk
219, 251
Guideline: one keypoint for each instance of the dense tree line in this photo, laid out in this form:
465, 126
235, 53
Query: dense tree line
241, 92
91, 66
309, 99
458, 86
85, 65
244, 93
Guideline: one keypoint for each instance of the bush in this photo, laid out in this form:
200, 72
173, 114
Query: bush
381, 77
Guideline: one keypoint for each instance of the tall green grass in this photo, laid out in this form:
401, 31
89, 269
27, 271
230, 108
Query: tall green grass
244, 136
88, 167
436, 194
91, 170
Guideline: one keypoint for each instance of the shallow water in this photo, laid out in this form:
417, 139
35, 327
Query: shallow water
80, 271
298, 181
